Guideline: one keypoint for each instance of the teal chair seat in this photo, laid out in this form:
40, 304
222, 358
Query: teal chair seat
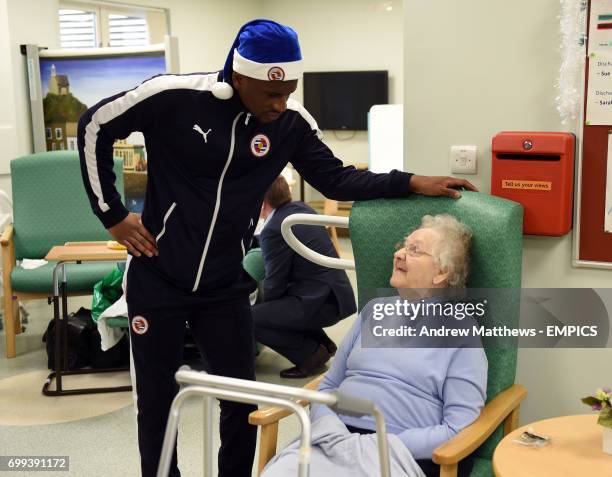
80, 278
117, 322
254, 265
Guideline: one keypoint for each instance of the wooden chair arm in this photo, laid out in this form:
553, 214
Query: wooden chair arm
494, 413
7, 235
269, 415
8, 256
12, 324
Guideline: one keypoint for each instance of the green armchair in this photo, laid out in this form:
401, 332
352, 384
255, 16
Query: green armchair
375, 228
50, 208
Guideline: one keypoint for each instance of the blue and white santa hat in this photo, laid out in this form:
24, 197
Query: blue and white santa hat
264, 50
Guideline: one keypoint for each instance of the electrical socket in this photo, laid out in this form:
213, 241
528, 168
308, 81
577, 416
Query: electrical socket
463, 159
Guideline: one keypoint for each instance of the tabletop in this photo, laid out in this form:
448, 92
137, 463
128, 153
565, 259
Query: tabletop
85, 251
575, 449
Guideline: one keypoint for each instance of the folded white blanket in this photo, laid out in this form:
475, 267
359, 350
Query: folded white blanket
338, 453
32, 263
111, 336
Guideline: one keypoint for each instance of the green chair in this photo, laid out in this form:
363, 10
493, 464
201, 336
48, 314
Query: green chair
50, 207
375, 228
254, 265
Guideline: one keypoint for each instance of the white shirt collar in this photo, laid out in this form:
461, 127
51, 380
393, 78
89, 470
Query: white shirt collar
269, 217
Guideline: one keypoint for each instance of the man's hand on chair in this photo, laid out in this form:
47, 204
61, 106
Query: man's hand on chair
439, 185
131, 233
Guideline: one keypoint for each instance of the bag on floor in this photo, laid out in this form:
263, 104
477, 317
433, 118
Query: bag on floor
80, 327
84, 347
115, 357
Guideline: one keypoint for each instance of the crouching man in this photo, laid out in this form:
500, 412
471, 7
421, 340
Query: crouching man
300, 298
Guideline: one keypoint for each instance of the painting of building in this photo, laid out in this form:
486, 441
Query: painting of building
61, 136
132, 155
58, 84
55, 134
71, 136
62, 111
73, 84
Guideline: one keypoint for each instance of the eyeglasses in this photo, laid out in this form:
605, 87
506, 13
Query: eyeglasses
412, 249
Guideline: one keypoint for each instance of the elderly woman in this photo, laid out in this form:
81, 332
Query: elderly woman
427, 392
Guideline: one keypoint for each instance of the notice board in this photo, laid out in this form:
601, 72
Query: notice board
593, 205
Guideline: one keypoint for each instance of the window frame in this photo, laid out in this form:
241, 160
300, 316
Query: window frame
85, 8
103, 10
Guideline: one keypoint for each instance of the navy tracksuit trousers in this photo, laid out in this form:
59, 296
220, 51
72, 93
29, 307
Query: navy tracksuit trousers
222, 329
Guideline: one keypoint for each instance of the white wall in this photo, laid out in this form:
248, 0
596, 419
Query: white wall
32, 21
346, 35
472, 69
7, 112
205, 28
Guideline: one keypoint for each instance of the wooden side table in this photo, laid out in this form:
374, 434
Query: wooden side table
574, 450
74, 252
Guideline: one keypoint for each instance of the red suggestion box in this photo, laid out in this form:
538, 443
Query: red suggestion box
536, 169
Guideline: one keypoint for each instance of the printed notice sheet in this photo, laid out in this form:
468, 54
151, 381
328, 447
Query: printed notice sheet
599, 94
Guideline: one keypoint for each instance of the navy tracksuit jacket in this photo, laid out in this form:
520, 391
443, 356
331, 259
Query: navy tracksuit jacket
209, 164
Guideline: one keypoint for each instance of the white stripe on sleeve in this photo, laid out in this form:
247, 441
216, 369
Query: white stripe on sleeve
297, 106
118, 106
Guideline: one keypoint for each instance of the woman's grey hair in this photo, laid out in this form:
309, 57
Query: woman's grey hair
452, 252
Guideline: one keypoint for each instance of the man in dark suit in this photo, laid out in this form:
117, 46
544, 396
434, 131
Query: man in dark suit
300, 298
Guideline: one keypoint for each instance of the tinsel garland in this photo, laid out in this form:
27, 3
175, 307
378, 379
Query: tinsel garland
572, 27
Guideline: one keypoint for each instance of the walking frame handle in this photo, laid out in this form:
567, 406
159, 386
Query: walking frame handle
196, 383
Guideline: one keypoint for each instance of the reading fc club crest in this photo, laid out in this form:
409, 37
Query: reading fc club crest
260, 145
276, 73
140, 325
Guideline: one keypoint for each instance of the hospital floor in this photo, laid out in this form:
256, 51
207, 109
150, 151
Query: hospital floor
98, 432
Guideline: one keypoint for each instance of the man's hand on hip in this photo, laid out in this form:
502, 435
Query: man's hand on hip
439, 185
131, 233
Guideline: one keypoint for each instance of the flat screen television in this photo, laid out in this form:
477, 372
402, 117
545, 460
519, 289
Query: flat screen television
342, 99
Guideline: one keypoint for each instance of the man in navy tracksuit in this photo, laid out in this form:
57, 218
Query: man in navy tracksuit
215, 142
